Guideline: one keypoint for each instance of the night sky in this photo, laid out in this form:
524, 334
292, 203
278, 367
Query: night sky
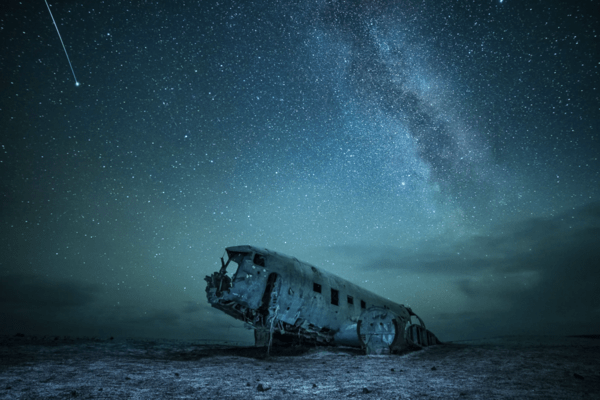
443, 154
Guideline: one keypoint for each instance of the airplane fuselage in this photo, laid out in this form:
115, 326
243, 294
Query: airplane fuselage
277, 294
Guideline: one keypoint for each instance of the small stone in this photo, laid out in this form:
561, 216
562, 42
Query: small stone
262, 388
576, 375
433, 368
176, 374
392, 370
314, 385
365, 390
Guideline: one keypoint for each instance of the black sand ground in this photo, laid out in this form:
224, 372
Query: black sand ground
510, 367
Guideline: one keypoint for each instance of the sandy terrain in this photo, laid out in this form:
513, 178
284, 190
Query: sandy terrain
514, 367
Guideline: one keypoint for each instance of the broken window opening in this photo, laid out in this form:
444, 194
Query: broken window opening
335, 297
232, 270
316, 287
350, 300
363, 304
259, 260
266, 298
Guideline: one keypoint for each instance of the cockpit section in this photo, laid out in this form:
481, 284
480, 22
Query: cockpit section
239, 287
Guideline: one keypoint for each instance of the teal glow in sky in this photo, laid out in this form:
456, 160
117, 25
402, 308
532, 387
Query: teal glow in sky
442, 154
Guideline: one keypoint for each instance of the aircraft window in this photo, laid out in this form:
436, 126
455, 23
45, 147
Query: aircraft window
350, 300
259, 260
335, 297
363, 304
316, 287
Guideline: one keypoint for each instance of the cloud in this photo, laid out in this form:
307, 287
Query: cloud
548, 278
34, 305
192, 307
30, 291
43, 306
162, 317
559, 254
516, 246
543, 271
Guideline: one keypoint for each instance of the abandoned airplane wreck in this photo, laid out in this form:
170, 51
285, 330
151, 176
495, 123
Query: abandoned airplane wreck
288, 301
